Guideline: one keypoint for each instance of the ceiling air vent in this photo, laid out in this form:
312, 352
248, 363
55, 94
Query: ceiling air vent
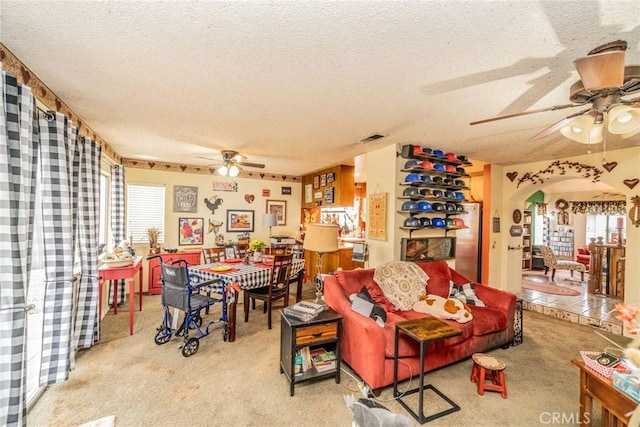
371, 138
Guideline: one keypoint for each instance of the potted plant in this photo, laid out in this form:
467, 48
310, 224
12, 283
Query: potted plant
257, 245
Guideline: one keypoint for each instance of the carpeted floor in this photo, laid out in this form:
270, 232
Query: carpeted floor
239, 384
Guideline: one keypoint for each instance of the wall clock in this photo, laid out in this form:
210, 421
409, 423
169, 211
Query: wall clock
517, 216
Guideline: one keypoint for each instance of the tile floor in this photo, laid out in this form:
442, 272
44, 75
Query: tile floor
585, 309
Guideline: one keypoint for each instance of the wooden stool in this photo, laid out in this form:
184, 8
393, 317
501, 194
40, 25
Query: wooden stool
488, 367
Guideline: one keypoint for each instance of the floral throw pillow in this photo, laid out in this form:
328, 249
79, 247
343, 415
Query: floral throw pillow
465, 293
403, 283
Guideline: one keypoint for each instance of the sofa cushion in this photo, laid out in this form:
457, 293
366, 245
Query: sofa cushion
403, 283
439, 277
444, 308
487, 320
465, 293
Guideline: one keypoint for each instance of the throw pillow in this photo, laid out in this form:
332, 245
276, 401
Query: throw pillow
444, 308
373, 310
403, 283
465, 293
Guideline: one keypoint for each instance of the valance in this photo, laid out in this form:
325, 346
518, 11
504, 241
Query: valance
601, 207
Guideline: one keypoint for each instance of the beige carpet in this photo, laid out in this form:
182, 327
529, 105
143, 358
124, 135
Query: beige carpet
239, 384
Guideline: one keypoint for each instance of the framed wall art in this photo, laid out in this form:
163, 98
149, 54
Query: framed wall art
185, 199
323, 180
279, 208
190, 231
427, 248
239, 220
316, 182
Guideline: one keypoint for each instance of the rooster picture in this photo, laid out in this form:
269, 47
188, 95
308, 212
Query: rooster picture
213, 205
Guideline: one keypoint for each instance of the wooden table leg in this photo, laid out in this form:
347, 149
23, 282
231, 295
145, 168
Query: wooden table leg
586, 403
140, 279
114, 284
132, 294
232, 316
100, 283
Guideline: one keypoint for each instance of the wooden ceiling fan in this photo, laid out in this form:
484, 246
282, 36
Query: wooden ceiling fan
604, 81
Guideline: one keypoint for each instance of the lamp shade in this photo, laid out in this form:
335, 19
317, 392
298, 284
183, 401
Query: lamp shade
624, 120
321, 238
269, 220
584, 130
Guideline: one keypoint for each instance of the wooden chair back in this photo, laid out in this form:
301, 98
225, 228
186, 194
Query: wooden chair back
216, 254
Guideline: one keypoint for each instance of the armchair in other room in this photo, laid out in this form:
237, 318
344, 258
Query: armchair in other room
584, 256
552, 263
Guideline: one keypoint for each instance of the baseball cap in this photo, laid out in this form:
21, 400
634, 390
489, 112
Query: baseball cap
438, 222
461, 171
459, 208
425, 222
409, 206
438, 153
424, 192
411, 192
437, 193
427, 179
451, 156
464, 159
425, 207
459, 195
427, 165
451, 207
458, 222
451, 168
412, 177
449, 195
413, 164
412, 222
438, 207
440, 167
449, 222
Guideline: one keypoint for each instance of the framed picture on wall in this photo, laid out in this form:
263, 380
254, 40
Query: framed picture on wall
279, 208
190, 231
239, 220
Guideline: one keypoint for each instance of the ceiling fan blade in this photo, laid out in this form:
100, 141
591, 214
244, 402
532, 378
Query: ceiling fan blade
208, 158
601, 70
251, 165
558, 125
524, 113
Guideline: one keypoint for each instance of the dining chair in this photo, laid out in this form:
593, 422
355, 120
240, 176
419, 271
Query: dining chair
551, 262
278, 287
241, 250
210, 255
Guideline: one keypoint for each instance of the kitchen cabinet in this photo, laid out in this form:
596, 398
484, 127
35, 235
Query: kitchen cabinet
331, 261
331, 187
154, 281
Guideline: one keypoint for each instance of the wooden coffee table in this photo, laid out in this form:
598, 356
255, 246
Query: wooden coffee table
424, 331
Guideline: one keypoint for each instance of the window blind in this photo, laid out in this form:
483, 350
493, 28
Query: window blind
145, 209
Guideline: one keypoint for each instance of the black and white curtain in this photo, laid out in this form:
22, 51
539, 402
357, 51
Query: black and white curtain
117, 222
68, 186
18, 167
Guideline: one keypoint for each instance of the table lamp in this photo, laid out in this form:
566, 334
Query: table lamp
320, 238
269, 220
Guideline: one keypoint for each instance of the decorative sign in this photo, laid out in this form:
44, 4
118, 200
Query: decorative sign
185, 199
224, 186
317, 195
286, 191
378, 216
316, 182
308, 193
213, 203
328, 194
515, 230
496, 223
323, 180
331, 177
266, 192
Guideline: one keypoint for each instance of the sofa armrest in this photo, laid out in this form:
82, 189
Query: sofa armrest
496, 298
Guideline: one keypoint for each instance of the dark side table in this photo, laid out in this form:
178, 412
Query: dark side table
424, 331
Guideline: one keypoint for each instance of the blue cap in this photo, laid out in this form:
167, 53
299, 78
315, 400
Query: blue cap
440, 167
412, 177
459, 195
425, 207
438, 222
437, 153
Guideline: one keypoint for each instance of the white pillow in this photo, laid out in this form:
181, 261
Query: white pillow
403, 283
444, 308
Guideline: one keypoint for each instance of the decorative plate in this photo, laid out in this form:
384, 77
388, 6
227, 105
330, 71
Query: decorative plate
517, 216
220, 268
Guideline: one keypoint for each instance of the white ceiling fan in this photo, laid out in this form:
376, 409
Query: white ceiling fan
232, 163
605, 80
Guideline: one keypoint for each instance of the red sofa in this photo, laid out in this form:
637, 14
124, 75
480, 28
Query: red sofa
369, 349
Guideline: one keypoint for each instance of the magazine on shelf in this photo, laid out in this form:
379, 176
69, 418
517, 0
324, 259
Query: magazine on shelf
322, 359
308, 307
298, 315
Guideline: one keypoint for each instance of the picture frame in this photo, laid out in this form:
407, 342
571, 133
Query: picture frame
239, 220
323, 180
286, 191
185, 198
427, 248
316, 182
190, 231
279, 209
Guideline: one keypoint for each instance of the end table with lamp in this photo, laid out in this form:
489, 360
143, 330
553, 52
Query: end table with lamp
320, 238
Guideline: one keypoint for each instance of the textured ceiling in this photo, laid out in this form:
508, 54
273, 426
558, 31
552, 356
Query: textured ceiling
297, 85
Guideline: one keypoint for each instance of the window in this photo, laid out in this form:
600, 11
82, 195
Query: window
605, 226
104, 208
145, 209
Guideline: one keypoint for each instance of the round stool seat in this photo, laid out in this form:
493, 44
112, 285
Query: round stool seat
488, 361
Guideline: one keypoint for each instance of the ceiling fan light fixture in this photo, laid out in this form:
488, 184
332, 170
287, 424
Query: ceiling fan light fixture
584, 130
223, 170
624, 120
234, 170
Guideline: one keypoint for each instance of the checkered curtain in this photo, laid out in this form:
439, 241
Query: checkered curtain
117, 221
87, 230
18, 165
58, 183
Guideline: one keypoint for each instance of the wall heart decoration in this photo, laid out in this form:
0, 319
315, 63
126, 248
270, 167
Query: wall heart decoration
249, 198
631, 182
609, 166
512, 175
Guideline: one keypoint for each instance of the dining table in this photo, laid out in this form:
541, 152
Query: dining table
238, 276
127, 273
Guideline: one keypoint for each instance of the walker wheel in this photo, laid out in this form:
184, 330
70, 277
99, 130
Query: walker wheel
197, 320
190, 347
162, 336
225, 332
